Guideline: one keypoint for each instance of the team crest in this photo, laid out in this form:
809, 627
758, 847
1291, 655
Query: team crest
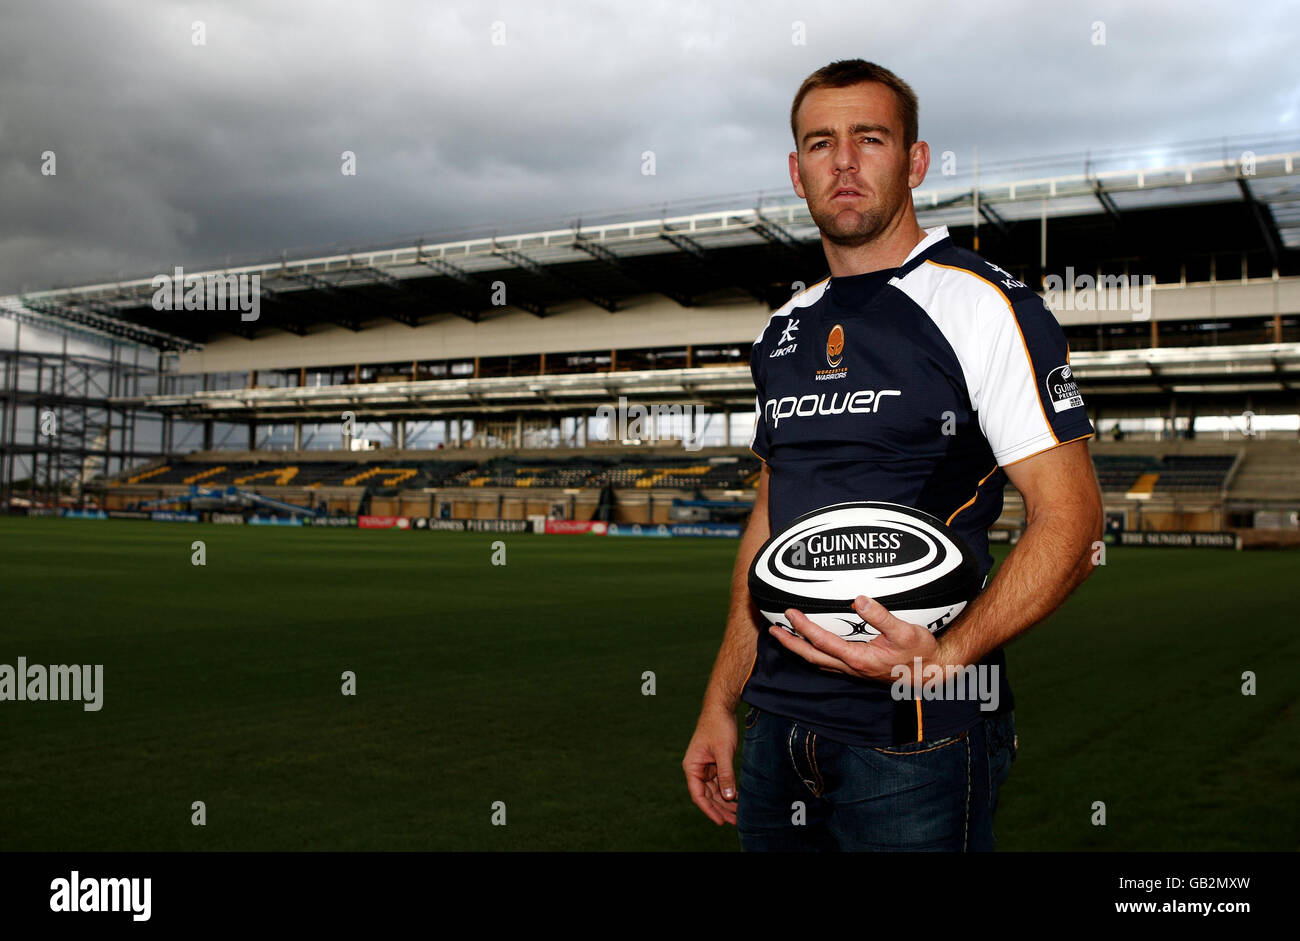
834, 355
835, 346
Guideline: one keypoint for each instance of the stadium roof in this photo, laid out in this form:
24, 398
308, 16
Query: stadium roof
1152, 215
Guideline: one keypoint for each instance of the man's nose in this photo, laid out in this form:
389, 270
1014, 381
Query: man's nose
845, 156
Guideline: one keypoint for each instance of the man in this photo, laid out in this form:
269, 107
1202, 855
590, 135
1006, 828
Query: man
835, 756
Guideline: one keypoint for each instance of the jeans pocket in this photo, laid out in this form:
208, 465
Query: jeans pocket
919, 748
751, 718
1001, 734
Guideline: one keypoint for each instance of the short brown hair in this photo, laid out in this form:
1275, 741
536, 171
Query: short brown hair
847, 72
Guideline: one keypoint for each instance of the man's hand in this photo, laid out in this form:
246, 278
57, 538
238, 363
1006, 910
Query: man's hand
710, 757
898, 644
710, 766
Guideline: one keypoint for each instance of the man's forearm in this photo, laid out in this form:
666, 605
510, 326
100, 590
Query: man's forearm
1053, 556
740, 639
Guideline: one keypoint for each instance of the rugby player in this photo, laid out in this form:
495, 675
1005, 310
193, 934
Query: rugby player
979, 392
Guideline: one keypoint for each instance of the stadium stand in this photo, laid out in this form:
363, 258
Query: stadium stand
1195, 471
1269, 476
1197, 483
1121, 472
660, 310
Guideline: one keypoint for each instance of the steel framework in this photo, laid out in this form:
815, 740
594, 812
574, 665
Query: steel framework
74, 433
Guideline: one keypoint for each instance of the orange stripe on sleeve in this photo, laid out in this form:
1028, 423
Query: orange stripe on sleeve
1011, 310
1049, 447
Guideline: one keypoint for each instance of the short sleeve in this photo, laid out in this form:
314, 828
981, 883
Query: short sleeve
758, 441
1029, 401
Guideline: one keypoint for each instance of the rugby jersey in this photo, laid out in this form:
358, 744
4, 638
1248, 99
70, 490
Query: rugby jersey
911, 385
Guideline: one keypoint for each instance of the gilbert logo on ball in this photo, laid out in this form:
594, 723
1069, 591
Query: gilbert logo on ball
908, 560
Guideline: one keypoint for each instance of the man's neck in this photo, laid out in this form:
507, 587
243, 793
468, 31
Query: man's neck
888, 250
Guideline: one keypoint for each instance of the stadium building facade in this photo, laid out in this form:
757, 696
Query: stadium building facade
601, 371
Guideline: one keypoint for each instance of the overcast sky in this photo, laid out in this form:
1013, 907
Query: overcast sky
168, 152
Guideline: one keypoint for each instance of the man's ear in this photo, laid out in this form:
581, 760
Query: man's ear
794, 175
918, 164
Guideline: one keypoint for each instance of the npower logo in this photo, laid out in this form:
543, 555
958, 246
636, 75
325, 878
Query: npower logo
861, 402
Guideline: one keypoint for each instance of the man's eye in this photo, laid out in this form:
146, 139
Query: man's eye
874, 140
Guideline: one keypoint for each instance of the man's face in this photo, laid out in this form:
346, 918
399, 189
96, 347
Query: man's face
851, 165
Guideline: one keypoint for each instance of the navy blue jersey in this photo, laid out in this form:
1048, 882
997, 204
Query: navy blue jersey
911, 385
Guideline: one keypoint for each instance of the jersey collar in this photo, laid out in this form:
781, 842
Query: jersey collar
859, 289
933, 237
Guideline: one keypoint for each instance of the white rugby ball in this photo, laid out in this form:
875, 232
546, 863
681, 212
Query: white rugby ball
908, 560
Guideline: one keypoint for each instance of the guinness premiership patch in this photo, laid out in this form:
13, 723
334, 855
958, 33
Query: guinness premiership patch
1062, 389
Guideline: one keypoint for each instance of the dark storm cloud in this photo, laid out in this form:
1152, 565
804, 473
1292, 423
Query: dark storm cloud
170, 153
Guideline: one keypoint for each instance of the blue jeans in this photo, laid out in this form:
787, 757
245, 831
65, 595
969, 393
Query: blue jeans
801, 792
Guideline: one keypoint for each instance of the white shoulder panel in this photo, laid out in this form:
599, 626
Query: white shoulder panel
803, 299
981, 327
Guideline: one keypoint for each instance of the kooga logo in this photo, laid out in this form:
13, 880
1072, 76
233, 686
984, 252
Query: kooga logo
861, 402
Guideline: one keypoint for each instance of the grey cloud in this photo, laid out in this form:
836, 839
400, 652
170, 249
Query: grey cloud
174, 154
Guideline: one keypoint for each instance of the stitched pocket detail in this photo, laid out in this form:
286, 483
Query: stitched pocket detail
929, 746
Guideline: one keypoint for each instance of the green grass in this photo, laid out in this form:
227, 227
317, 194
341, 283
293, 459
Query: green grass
522, 683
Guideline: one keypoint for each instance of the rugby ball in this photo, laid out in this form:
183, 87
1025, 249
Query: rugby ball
909, 561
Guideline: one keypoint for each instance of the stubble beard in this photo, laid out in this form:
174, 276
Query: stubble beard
857, 228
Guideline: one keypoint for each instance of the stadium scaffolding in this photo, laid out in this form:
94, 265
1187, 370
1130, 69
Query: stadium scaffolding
1222, 333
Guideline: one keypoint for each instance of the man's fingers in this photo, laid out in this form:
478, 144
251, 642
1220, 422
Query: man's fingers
807, 651
726, 807
727, 779
838, 655
708, 776
715, 791
816, 635
700, 770
701, 797
894, 629
902, 637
